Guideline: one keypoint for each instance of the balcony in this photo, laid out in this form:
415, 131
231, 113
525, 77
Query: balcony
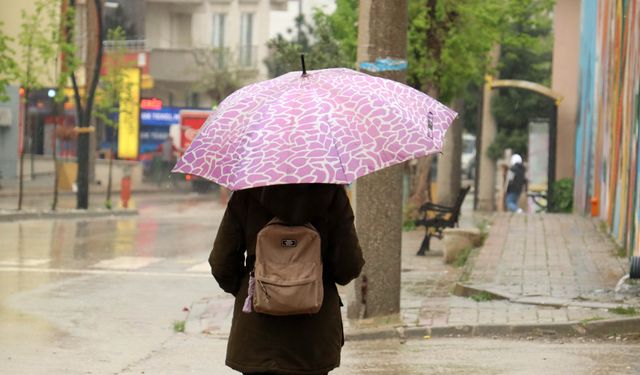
189, 64
280, 5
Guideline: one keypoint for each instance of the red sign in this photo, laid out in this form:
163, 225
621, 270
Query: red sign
190, 123
153, 103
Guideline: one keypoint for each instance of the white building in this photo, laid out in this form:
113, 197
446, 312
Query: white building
189, 38
283, 21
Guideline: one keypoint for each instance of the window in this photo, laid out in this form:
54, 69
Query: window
194, 100
180, 30
246, 39
217, 36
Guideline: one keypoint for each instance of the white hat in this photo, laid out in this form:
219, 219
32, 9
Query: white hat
515, 159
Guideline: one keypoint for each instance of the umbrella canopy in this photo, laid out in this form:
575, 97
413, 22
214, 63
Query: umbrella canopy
327, 126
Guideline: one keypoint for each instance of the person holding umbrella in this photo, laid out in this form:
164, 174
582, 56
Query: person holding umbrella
287, 147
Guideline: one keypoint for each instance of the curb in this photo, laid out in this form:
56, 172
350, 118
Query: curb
626, 326
466, 290
74, 214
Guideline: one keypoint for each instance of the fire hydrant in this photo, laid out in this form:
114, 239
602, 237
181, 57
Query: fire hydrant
125, 191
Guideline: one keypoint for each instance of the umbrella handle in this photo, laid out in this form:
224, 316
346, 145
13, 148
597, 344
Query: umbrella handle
304, 67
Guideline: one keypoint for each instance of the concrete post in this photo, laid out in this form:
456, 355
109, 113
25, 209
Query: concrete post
382, 32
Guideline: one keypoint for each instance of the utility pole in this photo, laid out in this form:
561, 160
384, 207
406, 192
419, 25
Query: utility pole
382, 33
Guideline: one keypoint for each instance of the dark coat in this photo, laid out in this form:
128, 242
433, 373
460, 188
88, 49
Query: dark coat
297, 344
517, 179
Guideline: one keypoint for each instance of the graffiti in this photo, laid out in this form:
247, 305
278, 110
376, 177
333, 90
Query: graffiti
607, 137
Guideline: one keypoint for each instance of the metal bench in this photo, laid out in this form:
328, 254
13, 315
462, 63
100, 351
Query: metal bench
435, 218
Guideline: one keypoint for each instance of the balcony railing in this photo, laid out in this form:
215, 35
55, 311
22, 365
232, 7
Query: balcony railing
128, 45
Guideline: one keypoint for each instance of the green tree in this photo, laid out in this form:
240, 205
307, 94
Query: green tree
317, 42
113, 89
218, 77
39, 43
119, 18
66, 63
7, 63
526, 54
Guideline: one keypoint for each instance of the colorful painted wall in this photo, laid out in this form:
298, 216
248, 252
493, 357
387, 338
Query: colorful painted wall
607, 137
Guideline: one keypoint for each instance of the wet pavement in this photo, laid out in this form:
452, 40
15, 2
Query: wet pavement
98, 294
102, 295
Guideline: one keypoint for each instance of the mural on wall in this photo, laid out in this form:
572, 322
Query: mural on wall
607, 137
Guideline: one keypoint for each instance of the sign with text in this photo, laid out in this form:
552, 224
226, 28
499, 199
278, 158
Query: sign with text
129, 116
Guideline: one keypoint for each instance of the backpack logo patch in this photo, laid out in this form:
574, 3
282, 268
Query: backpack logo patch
289, 243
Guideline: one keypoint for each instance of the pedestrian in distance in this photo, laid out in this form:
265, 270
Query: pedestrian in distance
516, 181
168, 155
304, 343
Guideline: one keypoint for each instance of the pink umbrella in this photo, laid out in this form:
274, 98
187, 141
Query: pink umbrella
327, 126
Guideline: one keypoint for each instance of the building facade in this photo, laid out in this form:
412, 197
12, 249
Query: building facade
607, 135
197, 46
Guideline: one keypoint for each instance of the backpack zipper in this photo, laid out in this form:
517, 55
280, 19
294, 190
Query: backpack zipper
264, 290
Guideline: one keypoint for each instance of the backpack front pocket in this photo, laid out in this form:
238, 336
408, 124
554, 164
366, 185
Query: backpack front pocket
301, 293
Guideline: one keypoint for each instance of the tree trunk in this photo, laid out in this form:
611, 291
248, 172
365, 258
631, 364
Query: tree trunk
56, 171
382, 33
487, 168
111, 151
23, 105
421, 180
449, 164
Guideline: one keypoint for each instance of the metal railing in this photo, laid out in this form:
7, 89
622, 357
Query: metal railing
129, 45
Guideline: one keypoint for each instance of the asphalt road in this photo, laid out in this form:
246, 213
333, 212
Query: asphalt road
101, 296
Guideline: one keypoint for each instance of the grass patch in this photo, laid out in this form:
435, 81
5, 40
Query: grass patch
409, 225
589, 320
482, 297
621, 252
179, 325
462, 258
624, 310
603, 226
483, 226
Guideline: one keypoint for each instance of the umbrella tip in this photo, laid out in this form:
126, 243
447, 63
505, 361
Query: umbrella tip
304, 67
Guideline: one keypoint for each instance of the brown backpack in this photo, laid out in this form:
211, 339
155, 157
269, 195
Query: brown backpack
288, 270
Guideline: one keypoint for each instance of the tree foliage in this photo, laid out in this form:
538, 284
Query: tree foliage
113, 89
7, 64
526, 54
320, 43
46, 55
113, 85
217, 76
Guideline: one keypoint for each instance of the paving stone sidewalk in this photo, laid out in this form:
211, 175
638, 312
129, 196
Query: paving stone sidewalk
549, 269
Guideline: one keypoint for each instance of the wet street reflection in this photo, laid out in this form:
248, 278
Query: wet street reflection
57, 276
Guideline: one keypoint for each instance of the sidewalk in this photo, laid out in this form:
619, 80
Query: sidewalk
545, 274
535, 275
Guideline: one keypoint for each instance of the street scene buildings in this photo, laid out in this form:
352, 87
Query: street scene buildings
518, 233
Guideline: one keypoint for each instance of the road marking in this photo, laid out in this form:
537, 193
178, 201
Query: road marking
25, 262
202, 267
126, 263
101, 272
